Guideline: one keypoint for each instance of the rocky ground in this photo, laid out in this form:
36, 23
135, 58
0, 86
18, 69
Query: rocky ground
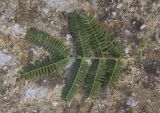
135, 23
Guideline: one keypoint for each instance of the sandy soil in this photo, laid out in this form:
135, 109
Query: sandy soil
135, 23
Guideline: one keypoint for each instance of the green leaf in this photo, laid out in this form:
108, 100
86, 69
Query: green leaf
92, 43
114, 48
76, 79
95, 33
89, 33
114, 73
52, 45
44, 68
80, 38
95, 79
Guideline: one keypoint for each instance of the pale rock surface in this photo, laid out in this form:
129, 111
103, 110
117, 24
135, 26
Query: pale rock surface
4, 58
32, 93
132, 102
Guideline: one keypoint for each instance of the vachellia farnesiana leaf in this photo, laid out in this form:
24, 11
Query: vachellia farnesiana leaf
92, 69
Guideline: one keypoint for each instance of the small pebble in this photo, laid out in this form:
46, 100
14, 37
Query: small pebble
149, 101
127, 32
143, 26
3, 17
35, 111
5, 98
4, 58
106, 9
34, 51
133, 94
131, 9
89, 62
4, 68
68, 37
17, 29
114, 13
132, 102
52, 22
126, 50
45, 10
44, 81
55, 103
119, 5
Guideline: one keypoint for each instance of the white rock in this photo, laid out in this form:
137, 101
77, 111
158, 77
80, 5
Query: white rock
4, 83
114, 13
55, 103
2, 28
134, 22
131, 9
143, 26
126, 50
127, 32
4, 58
132, 102
68, 36
61, 5
44, 10
133, 94
44, 81
35, 111
95, 3
34, 51
3, 17
4, 68
89, 61
17, 29
35, 93
119, 5
106, 9
149, 101
5, 98
70, 63
52, 2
